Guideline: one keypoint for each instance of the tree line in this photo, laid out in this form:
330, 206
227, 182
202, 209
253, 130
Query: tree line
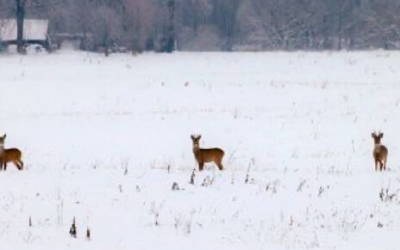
220, 25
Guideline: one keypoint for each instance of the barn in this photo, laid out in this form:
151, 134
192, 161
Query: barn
35, 32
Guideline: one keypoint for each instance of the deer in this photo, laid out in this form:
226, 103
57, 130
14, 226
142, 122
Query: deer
10, 155
205, 155
380, 152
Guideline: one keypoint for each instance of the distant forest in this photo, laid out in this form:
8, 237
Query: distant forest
221, 25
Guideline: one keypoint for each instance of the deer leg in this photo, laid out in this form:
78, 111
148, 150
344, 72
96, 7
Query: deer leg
17, 164
5, 165
381, 165
201, 166
219, 164
376, 165
21, 163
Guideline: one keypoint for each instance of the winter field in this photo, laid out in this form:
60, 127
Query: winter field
104, 139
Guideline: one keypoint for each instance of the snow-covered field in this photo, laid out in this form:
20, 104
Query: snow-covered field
104, 139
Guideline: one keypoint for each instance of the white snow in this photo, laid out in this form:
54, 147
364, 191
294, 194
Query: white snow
99, 135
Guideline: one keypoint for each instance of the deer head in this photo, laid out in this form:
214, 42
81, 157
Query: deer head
2, 139
196, 140
377, 137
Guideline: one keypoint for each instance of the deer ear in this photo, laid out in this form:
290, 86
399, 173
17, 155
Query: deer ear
199, 137
4, 136
380, 135
373, 135
192, 137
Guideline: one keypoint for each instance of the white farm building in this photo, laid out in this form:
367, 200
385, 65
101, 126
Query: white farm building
35, 31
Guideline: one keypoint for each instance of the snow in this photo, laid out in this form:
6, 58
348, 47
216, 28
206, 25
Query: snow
104, 139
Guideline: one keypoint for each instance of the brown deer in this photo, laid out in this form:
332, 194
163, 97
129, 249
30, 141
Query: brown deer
10, 155
204, 155
380, 152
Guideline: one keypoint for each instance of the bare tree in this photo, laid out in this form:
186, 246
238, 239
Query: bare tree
20, 15
137, 22
224, 17
168, 40
227, 25
106, 27
381, 24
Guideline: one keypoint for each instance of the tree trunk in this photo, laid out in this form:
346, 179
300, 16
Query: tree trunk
170, 39
20, 25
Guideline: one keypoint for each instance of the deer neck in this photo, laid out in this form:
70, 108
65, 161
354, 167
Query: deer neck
196, 150
377, 146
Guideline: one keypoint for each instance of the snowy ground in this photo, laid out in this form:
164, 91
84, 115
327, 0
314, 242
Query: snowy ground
99, 135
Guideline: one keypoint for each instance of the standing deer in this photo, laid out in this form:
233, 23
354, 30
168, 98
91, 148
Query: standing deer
380, 152
204, 155
10, 155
